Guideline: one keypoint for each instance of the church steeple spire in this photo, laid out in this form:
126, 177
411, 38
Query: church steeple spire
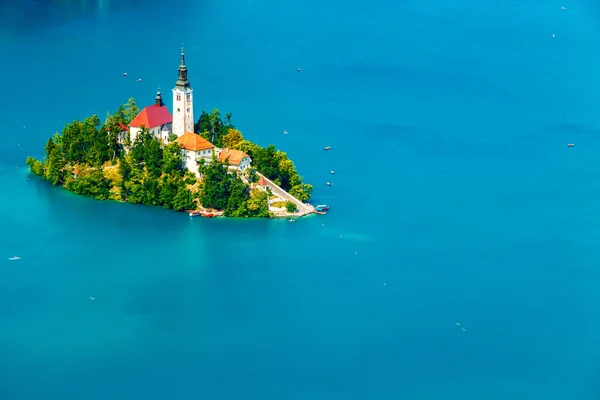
183, 101
182, 79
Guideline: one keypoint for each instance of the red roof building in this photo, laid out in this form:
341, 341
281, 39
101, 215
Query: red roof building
232, 157
262, 181
194, 142
152, 116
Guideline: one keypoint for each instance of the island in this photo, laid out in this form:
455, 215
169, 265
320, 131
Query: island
153, 157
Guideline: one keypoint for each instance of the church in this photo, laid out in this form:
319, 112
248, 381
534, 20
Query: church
162, 125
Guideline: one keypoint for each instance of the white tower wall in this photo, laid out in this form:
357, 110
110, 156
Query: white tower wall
183, 111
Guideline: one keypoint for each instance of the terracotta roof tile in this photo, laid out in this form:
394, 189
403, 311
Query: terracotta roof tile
262, 181
234, 157
194, 142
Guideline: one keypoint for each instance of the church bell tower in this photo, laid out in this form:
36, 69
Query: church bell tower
183, 104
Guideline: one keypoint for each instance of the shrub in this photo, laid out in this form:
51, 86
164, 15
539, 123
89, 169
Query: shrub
290, 206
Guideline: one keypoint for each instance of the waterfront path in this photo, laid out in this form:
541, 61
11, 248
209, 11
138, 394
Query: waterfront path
303, 208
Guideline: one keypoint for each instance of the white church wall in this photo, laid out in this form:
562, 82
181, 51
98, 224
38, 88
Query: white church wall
133, 131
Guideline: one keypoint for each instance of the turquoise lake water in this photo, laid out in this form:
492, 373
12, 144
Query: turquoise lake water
449, 123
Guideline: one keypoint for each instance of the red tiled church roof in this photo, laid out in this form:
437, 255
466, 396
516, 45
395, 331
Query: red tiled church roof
123, 126
152, 116
194, 142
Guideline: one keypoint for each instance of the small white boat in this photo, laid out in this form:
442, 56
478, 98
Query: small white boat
139, 80
332, 172
298, 69
15, 258
327, 148
292, 220
563, 8
285, 132
553, 35
328, 183
571, 144
124, 73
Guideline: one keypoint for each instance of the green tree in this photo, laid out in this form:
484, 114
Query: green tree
184, 200
168, 186
153, 157
125, 172
258, 205
36, 166
203, 125
130, 111
172, 159
232, 138
215, 123
290, 206
55, 167
215, 187
302, 191
237, 197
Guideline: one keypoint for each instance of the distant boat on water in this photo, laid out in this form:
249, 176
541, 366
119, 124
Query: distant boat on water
571, 144
322, 207
14, 258
327, 148
124, 73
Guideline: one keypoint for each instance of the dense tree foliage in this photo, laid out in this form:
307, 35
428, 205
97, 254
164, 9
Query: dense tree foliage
276, 166
290, 206
88, 157
232, 139
224, 190
212, 128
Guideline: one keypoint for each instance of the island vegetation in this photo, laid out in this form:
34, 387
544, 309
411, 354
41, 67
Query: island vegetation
98, 160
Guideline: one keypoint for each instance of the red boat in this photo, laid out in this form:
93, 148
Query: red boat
209, 215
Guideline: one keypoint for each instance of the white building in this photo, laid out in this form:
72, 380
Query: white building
194, 148
156, 118
237, 159
183, 102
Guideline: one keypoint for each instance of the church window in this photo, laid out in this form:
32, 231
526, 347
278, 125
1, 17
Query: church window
178, 110
188, 110
178, 97
187, 97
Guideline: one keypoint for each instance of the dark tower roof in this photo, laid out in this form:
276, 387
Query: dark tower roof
159, 100
182, 78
